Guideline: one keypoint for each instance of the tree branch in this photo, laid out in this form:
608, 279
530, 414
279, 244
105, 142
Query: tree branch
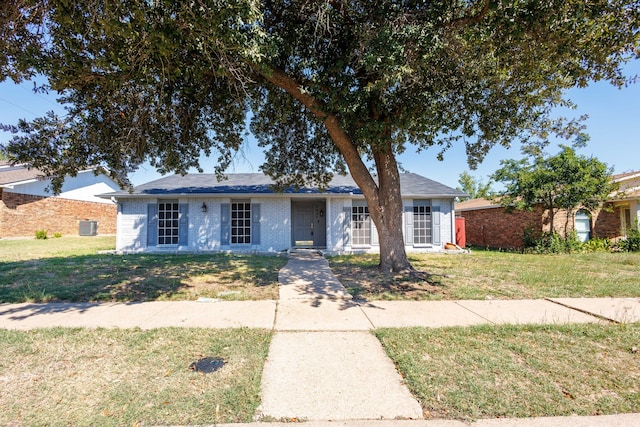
340, 138
473, 18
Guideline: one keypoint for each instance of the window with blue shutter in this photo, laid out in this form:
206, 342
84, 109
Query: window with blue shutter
408, 218
152, 224
346, 224
183, 224
255, 223
435, 214
225, 223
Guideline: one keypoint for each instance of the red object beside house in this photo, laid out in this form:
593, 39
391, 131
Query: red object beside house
461, 233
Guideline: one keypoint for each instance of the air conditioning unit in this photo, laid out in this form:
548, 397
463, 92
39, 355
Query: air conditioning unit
88, 228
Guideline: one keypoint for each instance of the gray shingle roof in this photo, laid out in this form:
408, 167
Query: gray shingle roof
11, 174
259, 184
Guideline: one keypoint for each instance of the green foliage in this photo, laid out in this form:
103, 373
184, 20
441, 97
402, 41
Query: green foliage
41, 234
57, 235
631, 243
597, 245
565, 181
326, 84
551, 243
164, 81
474, 187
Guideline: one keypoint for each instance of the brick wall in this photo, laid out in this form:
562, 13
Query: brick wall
495, 228
607, 223
21, 215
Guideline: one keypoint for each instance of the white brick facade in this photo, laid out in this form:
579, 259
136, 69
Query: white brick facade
275, 225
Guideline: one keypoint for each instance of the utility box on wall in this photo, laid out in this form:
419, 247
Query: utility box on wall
88, 228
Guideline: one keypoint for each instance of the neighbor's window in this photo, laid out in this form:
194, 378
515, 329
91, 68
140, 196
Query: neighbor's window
421, 222
168, 216
240, 222
360, 226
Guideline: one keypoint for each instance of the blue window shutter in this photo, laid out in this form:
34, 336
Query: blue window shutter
225, 223
183, 225
346, 231
435, 224
255, 223
152, 224
408, 217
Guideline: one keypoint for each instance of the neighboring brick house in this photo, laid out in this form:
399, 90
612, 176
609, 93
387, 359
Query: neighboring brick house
26, 205
487, 224
197, 213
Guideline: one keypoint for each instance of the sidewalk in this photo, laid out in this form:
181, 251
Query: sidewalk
323, 363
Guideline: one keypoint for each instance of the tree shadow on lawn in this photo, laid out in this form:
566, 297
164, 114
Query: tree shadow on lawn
367, 282
134, 278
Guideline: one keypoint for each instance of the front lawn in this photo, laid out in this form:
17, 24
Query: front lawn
494, 275
130, 377
519, 371
71, 269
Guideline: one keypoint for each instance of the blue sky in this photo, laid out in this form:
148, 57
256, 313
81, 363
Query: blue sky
613, 125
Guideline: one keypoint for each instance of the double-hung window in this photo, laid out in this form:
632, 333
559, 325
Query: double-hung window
360, 225
168, 222
240, 222
422, 222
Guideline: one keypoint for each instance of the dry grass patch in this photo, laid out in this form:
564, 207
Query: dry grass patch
140, 277
60, 377
494, 275
519, 371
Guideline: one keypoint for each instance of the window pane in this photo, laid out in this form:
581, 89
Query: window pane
168, 221
241, 224
360, 225
421, 223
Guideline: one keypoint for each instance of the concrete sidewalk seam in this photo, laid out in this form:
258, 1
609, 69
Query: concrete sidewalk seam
474, 313
587, 312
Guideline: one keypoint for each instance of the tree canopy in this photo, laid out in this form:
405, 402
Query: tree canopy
474, 187
329, 85
565, 181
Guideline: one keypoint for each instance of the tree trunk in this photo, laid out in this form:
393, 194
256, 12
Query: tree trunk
388, 211
384, 199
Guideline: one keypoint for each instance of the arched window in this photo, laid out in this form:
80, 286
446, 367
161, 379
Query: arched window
583, 225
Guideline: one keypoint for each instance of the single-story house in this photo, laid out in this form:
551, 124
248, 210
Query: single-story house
488, 224
195, 212
27, 206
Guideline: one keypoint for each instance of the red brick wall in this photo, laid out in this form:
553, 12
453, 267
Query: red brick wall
21, 215
607, 224
495, 228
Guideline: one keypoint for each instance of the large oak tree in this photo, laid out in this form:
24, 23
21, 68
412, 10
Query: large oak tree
329, 85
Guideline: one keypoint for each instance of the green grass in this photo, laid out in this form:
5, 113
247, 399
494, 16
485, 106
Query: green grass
116, 377
499, 275
70, 269
519, 371
15, 250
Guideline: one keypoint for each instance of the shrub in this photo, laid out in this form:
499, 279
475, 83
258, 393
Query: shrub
551, 243
597, 245
41, 234
632, 242
57, 235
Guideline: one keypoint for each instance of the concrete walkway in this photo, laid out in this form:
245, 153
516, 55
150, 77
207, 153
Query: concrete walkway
323, 363
337, 372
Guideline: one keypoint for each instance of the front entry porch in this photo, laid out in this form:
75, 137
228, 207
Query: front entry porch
309, 224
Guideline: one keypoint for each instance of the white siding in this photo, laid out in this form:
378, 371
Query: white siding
83, 187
